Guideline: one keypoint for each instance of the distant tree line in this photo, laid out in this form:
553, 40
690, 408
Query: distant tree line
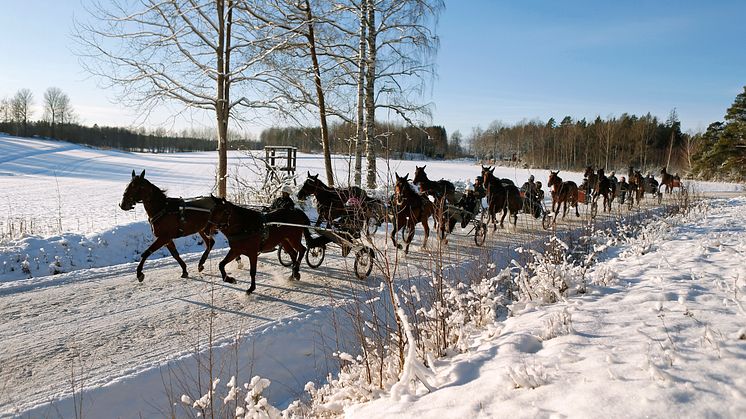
613, 143
393, 140
59, 121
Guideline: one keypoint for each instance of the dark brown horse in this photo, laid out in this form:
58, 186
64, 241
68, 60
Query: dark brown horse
443, 193
632, 186
437, 189
169, 218
604, 188
330, 202
502, 195
410, 209
562, 194
669, 180
590, 180
639, 181
249, 234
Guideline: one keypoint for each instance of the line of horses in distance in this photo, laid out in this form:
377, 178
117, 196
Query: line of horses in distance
251, 231
596, 184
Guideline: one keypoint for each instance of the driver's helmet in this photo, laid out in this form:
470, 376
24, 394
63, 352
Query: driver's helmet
531, 178
353, 202
287, 189
538, 185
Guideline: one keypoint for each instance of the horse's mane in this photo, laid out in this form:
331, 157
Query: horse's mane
159, 192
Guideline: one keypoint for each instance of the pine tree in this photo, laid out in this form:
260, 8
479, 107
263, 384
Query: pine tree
723, 153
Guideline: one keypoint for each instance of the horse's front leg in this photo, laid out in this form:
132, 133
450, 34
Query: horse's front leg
172, 249
157, 244
296, 267
410, 236
426, 228
232, 253
505, 212
209, 243
253, 257
286, 245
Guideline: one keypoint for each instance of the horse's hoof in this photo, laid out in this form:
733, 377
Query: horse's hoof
140, 276
229, 280
250, 290
200, 268
185, 275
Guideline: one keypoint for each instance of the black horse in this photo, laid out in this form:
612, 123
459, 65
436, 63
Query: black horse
501, 196
330, 202
437, 189
604, 187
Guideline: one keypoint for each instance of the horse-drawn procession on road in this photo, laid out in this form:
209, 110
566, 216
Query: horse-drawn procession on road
349, 217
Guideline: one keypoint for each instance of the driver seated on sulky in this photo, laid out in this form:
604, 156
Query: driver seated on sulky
529, 189
284, 200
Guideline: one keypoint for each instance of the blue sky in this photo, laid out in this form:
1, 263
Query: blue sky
498, 60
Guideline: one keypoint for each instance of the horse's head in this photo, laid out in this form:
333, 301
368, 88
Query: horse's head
663, 171
419, 174
601, 173
310, 186
637, 178
220, 213
401, 187
487, 173
588, 171
136, 190
554, 179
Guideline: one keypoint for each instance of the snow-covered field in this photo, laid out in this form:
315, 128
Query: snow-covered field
658, 334
661, 333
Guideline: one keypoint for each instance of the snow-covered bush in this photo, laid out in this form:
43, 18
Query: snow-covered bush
254, 405
558, 324
547, 277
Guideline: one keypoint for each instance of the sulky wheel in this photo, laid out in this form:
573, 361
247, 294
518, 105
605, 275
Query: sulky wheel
315, 255
546, 221
480, 233
363, 262
284, 257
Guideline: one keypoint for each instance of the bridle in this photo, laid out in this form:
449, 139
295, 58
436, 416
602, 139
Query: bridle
219, 225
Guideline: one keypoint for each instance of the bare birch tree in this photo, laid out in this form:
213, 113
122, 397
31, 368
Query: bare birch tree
21, 109
308, 22
54, 98
179, 51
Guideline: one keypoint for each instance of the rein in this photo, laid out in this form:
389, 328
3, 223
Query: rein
182, 207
